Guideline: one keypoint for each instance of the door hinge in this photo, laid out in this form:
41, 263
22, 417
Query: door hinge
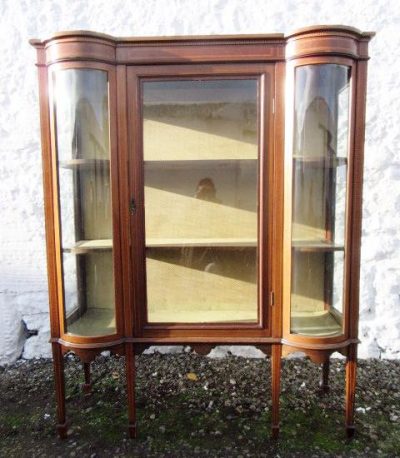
271, 298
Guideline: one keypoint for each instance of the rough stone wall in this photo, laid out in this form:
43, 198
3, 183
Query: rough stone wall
23, 284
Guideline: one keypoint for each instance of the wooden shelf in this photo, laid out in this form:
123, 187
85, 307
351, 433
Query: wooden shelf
317, 245
200, 242
207, 316
94, 322
319, 324
191, 163
321, 161
86, 246
171, 164
84, 164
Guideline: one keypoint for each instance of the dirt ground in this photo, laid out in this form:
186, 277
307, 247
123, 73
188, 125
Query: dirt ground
192, 405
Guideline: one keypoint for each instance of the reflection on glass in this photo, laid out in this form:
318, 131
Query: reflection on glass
82, 131
321, 123
201, 158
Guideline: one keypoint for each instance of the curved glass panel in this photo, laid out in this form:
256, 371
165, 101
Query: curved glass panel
321, 130
200, 142
82, 135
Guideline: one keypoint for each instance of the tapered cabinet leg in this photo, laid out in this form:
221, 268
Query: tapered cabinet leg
87, 386
276, 387
58, 364
130, 380
324, 382
351, 375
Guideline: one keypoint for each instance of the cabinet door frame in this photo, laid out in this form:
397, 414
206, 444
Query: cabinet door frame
265, 74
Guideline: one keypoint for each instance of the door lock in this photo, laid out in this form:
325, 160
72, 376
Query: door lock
132, 206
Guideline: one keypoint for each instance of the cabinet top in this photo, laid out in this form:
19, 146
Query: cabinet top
182, 38
314, 40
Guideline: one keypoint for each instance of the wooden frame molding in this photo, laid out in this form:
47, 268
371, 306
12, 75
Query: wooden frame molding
271, 60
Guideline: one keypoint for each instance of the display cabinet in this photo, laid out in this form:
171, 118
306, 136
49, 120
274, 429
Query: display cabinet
203, 191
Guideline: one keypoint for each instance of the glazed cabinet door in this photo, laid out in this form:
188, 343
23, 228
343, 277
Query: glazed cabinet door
319, 156
200, 193
83, 119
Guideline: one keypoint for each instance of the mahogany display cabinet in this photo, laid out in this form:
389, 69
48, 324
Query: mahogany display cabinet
204, 191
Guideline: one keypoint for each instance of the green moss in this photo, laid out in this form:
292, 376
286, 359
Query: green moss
101, 422
12, 421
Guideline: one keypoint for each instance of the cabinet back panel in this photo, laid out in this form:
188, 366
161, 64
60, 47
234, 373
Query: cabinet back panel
308, 282
174, 209
200, 285
309, 203
99, 280
199, 139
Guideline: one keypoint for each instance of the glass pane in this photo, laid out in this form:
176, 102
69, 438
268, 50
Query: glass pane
201, 161
82, 129
320, 149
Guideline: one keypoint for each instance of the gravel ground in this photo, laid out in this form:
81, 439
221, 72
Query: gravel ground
192, 405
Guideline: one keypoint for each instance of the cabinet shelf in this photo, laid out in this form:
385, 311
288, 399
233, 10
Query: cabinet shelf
94, 322
86, 246
320, 324
84, 164
316, 246
164, 164
200, 242
191, 163
320, 161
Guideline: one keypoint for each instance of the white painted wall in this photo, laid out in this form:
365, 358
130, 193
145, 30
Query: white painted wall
23, 284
